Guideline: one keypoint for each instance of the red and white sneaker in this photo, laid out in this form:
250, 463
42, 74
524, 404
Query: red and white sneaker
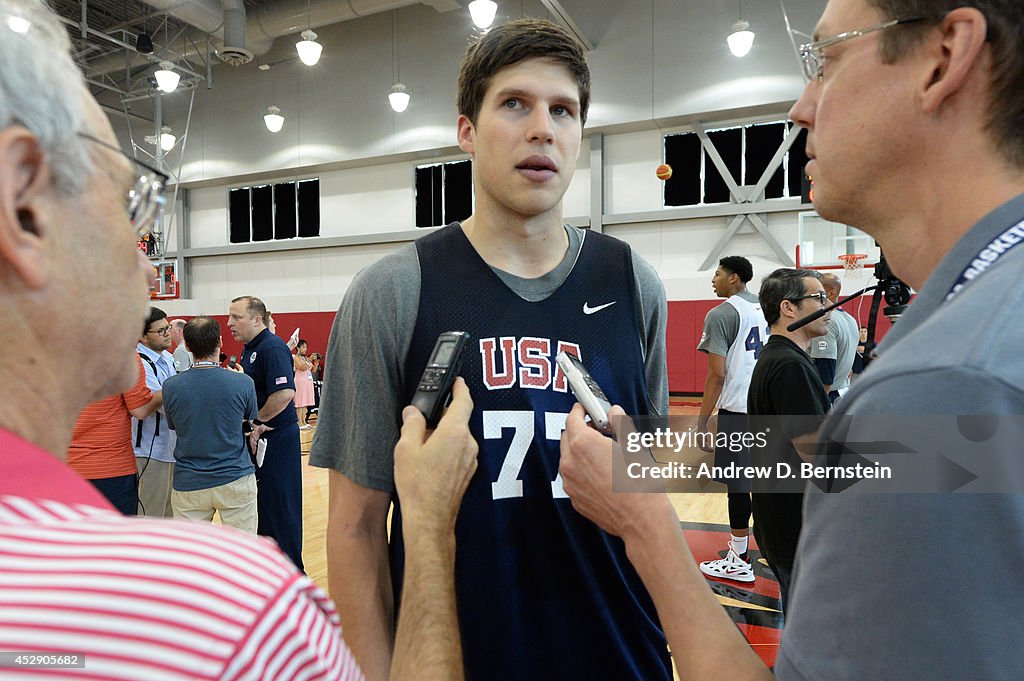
731, 567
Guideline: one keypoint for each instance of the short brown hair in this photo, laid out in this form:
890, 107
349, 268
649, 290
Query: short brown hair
1005, 20
255, 307
511, 43
202, 336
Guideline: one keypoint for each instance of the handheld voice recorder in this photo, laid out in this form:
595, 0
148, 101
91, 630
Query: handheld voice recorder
434, 390
586, 390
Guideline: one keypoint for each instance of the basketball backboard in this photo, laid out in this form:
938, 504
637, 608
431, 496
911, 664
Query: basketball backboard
821, 243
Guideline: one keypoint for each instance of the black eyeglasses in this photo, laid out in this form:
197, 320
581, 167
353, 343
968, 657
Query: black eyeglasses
147, 197
161, 331
814, 62
821, 297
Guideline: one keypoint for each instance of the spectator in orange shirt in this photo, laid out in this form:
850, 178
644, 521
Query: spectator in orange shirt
101, 446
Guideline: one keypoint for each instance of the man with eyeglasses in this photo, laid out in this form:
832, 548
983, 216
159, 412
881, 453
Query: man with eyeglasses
787, 402
914, 113
152, 440
122, 598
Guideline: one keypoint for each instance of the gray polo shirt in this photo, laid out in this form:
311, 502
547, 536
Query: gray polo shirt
892, 585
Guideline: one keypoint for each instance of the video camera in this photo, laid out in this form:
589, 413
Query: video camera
896, 295
889, 287
895, 292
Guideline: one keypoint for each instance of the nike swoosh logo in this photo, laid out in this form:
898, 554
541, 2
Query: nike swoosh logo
591, 310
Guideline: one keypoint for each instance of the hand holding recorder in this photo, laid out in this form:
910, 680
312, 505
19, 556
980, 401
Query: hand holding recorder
587, 391
432, 470
592, 465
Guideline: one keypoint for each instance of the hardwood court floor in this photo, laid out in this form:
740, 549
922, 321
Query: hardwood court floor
703, 517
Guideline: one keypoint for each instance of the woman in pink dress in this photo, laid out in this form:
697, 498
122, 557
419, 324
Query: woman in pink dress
303, 384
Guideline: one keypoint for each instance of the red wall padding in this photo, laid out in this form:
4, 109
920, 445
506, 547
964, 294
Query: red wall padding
314, 328
687, 368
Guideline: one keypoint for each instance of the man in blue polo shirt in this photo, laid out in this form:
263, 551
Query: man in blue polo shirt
268, 362
206, 407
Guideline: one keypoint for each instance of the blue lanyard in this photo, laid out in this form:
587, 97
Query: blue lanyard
992, 252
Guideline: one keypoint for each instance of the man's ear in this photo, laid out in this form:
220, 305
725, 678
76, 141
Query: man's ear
25, 185
963, 39
466, 133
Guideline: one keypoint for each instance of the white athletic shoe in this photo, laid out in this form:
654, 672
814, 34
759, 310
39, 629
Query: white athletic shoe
731, 567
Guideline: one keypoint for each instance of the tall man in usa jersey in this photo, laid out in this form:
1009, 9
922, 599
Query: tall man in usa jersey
542, 592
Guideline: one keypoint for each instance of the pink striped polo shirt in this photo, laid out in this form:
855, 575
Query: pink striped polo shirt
140, 598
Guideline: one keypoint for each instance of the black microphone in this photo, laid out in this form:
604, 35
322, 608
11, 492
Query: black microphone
814, 316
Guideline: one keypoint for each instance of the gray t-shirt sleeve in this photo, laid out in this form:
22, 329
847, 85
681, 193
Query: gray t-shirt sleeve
721, 325
825, 347
360, 401
653, 313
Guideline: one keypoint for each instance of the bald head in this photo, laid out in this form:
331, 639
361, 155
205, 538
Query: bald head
833, 285
177, 329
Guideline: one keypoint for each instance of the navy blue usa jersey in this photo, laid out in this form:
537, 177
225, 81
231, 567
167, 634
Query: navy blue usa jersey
543, 593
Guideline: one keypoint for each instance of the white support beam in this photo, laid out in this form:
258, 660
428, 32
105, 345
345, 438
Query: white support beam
747, 197
596, 182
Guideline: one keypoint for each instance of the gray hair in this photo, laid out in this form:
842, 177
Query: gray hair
41, 88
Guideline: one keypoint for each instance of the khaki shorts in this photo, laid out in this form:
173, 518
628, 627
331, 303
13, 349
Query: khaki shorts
235, 501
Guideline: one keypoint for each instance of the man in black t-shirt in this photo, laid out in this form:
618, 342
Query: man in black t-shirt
786, 383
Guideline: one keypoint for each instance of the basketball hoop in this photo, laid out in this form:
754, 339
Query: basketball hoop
853, 263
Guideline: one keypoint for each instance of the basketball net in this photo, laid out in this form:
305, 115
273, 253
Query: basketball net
853, 263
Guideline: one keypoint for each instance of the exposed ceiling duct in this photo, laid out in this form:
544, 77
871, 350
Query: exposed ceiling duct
234, 51
264, 24
106, 34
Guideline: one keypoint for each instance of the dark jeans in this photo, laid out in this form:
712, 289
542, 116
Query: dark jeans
122, 492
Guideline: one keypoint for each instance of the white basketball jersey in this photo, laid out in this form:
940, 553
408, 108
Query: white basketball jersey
744, 351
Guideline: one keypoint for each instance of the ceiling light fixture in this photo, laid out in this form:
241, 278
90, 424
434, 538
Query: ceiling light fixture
166, 79
308, 48
399, 98
483, 12
167, 139
273, 119
742, 38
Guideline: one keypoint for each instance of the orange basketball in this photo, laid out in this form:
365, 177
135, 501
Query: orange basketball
664, 171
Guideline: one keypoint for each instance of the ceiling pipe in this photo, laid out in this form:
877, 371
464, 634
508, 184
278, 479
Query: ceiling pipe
263, 25
234, 51
286, 17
